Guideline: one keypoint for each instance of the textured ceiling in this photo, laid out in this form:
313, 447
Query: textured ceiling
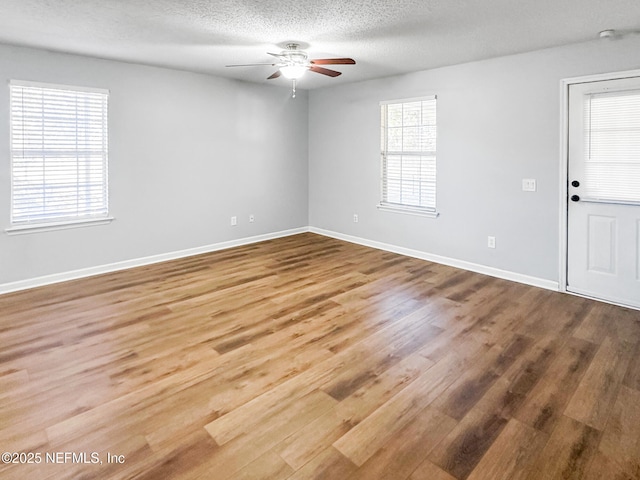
384, 37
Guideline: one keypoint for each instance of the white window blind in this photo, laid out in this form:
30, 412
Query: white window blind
409, 154
58, 153
612, 146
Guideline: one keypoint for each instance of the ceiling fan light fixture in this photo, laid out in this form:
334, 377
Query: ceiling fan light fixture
293, 72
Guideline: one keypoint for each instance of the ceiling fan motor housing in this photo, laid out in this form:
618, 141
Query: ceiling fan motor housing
293, 56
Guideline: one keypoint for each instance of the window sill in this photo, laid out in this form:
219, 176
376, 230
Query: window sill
408, 211
53, 226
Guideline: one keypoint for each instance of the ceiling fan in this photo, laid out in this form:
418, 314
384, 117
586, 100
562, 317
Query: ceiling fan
293, 63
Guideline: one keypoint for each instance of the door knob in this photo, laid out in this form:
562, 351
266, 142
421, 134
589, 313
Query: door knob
575, 198
575, 183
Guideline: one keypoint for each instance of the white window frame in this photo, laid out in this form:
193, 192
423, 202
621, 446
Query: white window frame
428, 210
45, 219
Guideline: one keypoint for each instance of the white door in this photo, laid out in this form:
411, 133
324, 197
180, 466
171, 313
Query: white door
603, 232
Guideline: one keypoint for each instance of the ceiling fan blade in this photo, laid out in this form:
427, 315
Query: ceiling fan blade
251, 65
324, 71
275, 74
333, 61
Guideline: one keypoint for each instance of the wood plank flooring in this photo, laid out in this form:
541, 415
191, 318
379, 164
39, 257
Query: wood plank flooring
309, 358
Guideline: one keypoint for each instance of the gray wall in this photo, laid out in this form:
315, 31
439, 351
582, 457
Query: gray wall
187, 151
498, 122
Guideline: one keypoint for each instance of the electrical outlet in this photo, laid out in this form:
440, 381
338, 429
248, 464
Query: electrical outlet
355, 218
234, 220
491, 242
528, 185
251, 219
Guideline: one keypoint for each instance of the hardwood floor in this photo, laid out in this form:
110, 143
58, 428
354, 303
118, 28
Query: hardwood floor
306, 357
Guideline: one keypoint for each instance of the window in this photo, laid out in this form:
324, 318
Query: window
409, 156
612, 146
58, 155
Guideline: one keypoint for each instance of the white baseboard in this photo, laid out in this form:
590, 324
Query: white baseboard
138, 262
452, 262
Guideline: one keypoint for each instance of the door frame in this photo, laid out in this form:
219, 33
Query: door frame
564, 165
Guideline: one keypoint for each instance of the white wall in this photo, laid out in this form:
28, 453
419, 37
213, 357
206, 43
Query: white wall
187, 151
498, 122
